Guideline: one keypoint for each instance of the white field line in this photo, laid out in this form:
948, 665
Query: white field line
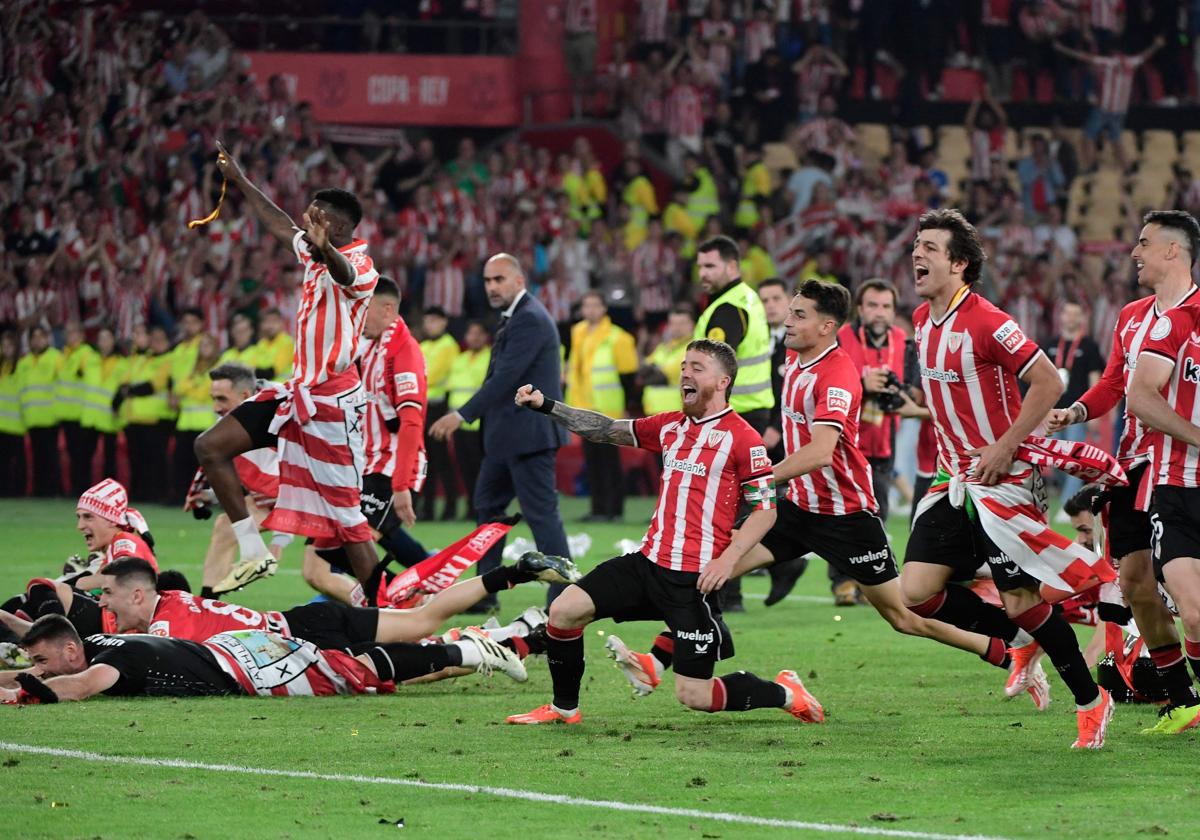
505, 793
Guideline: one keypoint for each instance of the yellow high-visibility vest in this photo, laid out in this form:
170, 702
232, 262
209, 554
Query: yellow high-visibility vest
38, 373
146, 411
667, 357
439, 354
101, 379
69, 387
466, 377
277, 354
599, 356
752, 388
10, 401
195, 402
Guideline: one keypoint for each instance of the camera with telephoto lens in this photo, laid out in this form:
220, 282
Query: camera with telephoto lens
889, 401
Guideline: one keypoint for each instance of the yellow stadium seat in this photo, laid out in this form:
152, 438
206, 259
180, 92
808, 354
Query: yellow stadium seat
874, 140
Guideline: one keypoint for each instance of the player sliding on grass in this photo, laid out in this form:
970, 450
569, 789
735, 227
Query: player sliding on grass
253, 662
711, 460
985, 505
830, 506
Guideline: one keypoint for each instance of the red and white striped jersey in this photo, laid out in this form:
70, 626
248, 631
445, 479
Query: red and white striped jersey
685, 117
705, 462
1175, 338
258, 470
827, 391
1106, 14
182, 615
970, 361
1114, 76
815, 79
446, 287
653, 266
718, 34
1129, 336
558, 296
331, 316
759, 37
393, 374
652, 21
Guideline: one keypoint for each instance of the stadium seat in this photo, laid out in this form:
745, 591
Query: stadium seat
1159, 145
874, 140
953, 146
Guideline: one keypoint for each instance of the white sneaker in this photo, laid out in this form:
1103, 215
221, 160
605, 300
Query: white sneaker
494, 656
531, 619
246, 572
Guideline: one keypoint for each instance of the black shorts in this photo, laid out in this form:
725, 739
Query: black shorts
854, 544
331, 625
256, 417
85, 615
948, 536
1174, 525
631, 588
1128, 528
376, 502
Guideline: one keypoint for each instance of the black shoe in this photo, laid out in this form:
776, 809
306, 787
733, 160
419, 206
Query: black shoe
449, 515
536, 639
548, 568
593, 518
730, 597
783, 579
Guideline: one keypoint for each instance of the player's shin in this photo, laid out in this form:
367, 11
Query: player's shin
742, 691
564, 655
1172, 669
400, 661
1056, 637
964, 609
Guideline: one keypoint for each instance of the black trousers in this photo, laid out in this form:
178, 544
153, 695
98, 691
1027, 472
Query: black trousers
106, 442
605, 479
148, 460
468, 455
47, 462
530, 480
441, 468
12, 465
183, 465
81, 448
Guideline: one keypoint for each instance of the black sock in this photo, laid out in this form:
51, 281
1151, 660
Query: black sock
504, 577
207, 592
404, 549
745, 691
1058, 640
401, 661
1173, 673
967, 611
564, 655
371, 585
664, 648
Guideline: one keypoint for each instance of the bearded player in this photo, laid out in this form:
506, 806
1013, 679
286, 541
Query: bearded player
1164, 254
712, 459
984, 506
315, 417
830, 506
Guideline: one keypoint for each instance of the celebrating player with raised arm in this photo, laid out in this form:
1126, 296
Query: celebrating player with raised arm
315, 418
830, 506
1166, 248
711, 460
984, 506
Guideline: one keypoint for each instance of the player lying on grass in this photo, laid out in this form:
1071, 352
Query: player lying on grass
254, 662
830, 506
111, 531
712, 459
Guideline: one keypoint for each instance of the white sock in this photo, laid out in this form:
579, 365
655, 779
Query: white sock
357, 597
564, 712
471, 657
1021, 639
499, 634
250, 542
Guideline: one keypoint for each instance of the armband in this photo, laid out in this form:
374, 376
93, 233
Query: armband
760, 495
33, 690
547, 405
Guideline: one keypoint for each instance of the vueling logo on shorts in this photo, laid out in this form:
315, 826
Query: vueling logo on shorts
870, 556
695, 636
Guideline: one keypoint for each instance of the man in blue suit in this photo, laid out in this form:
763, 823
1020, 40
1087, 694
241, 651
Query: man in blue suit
519, 447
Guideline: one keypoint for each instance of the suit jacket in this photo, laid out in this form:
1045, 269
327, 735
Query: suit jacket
526, 351
778, 361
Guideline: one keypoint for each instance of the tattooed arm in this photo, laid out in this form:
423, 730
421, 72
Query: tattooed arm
593, 425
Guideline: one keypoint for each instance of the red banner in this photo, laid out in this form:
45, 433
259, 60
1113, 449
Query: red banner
385, 89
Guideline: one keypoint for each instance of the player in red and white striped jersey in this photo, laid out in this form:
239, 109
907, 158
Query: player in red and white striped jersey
314, 418
1168, 275
712, 459
971, 354
830, 508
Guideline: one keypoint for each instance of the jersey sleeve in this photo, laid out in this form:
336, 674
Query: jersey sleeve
1169, 333
838, 392
647, 431
405, 371
754, 470
127, 545
999, 340
300, 249
1102, 397
365, 276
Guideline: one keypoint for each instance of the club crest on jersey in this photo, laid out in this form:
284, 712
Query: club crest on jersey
1161, 328
716, 437
838, 399
1010, 336
954, 341
759, 462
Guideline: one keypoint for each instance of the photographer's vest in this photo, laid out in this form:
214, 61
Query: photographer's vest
876, 429
752, 388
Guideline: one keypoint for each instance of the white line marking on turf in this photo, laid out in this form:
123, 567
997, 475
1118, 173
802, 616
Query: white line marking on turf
507, 793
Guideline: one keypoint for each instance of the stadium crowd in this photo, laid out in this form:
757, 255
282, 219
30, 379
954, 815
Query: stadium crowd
113, 309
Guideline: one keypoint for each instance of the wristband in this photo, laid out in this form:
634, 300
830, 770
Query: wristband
34, 690
547, 405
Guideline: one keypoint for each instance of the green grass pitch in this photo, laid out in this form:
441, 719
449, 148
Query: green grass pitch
919, 740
